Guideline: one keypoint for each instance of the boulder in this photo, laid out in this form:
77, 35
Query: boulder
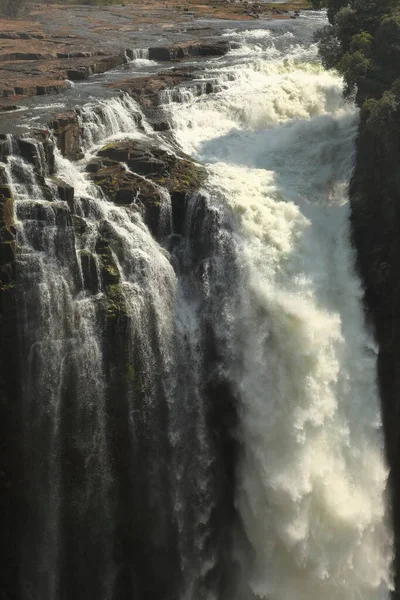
218, 48
25, 88
139, 156
146, 90
51, 87
6, 208
74, 54
4, 149
26, 56
79, 73
150, 169
175, 172
96, 64
89, 271
66, 130
179, 51
7, 107
108, 267
43, 136
79, 224
164, 53
127, 189
31, 152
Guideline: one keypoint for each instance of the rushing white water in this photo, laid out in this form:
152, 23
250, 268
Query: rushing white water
136, 348
311, 486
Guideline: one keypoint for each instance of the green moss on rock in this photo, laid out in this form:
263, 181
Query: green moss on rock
150, 168
116, 302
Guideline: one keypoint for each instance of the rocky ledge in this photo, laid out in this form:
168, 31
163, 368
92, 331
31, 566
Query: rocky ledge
136, 173
29, 74
139, 175
195, 48
57, 43
147, 90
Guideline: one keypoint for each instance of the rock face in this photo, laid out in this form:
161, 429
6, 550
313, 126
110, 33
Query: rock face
66, 129
7, 235
146, 90
150, 169
375, 206
10, 415
198, 48
38, 149
82, 293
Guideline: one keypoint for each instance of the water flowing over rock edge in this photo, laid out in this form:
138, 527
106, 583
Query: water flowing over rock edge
101, 272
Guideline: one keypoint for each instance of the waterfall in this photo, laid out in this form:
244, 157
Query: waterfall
199, 408
139, 57
311, 480
115, 357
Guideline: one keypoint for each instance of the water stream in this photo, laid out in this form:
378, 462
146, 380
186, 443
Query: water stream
206, 426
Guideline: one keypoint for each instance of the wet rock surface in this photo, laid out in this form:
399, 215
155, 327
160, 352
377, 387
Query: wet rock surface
196, 48
146, 90
66, 130
136, 173
57, 44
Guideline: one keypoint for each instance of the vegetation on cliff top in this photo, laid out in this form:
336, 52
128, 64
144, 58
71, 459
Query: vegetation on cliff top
362, 41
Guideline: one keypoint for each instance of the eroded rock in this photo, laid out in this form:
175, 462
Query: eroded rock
65, 192
150, 171
66, 130
179, 51
38, 150
146, 90
7, 234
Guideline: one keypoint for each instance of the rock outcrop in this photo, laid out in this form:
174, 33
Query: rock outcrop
375, 216
135, 173
66, 130
147, 90
196, 48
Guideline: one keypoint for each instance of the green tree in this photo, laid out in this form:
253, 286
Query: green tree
330, 48
363, 43
333, 8
355, 67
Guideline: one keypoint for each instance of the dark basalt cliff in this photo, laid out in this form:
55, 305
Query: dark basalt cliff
375, 216
122, 530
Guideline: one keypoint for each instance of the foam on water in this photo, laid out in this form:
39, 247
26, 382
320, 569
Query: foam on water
278, 141
255, 298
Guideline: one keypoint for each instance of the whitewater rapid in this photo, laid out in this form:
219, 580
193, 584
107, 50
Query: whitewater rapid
278, 141
200, 411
